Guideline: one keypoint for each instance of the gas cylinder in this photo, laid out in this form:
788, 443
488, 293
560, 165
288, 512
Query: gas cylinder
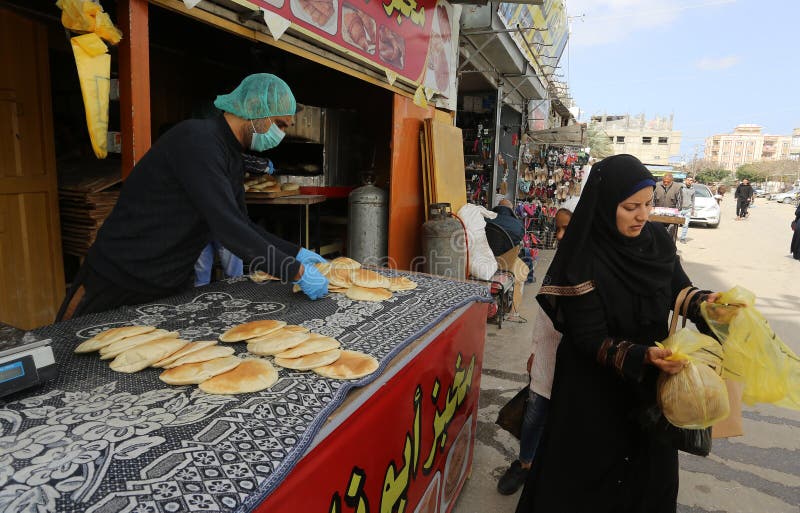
367, 232
443, 243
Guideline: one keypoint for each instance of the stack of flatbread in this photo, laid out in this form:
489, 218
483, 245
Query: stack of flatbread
263, 183
345, 275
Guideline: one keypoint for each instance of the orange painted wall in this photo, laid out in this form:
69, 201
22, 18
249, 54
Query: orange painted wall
406, 213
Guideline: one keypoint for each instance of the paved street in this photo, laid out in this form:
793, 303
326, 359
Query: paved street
756, 473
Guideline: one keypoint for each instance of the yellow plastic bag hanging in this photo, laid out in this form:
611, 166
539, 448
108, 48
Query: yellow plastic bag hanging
93, 63
696, 397
752, 353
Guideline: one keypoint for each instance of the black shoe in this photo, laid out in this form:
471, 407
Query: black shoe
513, 479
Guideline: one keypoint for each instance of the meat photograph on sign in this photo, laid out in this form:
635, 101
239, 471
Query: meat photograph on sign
358, 29
391, 47
318, 13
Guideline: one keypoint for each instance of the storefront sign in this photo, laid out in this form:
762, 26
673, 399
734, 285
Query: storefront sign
409, 448
549, 34
414, 39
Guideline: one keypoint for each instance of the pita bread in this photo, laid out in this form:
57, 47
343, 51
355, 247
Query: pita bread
145, 355
288, 186
202, 355
110, 336
196, 373
251, 330
275, 345
119, 347
338, 290
316, 344
399, 283
311, 361
261, 277
295, 329
339, 277
364, 294
252, 375
188, 348
369, 279
350, 365
344, 263
323, 267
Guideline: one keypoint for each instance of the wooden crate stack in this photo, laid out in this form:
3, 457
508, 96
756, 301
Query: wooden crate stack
85, 200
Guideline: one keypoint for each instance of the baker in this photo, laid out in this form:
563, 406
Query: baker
188, 190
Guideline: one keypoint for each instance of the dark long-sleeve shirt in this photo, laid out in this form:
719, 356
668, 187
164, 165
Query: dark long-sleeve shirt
743, 192
509, 222
186, 191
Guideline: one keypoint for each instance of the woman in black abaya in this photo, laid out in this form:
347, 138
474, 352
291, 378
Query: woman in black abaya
795, 247
609, 291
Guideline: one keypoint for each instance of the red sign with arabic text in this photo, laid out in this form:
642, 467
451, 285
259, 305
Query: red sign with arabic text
397, 35
409, 447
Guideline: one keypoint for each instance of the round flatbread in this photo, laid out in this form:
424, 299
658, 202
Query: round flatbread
290, 187
251, 330
145, 355
323, 267
350, 365
363, 294
120, 346
251, 375
196, 373
202, 355
339, 277
316, 344
399, 283
261, 277
344, 263
286, 340
311, 361
110, 336
295, 329
188, 348
369, 279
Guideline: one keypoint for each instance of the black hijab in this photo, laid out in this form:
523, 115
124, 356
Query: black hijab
594, 255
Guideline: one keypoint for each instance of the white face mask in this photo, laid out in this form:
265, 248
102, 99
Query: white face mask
263, 141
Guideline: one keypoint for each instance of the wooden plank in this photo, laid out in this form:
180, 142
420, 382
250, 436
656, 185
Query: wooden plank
448, 165
424, 154
134, 81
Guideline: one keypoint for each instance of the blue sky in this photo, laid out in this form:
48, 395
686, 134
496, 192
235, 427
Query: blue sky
713, 63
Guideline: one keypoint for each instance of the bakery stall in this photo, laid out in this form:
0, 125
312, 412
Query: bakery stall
398, 436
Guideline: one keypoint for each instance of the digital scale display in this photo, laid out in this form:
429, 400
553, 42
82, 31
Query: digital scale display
11, 371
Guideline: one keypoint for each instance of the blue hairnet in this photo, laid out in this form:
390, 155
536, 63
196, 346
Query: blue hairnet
258, 96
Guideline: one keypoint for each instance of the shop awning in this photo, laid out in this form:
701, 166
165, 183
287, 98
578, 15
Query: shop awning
572, 135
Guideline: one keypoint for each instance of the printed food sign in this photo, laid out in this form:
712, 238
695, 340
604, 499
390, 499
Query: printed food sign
416, 40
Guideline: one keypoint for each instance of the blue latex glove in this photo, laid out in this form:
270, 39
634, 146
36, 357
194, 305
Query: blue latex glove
313, 283
270, 167
309, 258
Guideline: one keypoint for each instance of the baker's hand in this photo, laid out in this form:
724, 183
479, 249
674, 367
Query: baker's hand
313, 283
309, 258
656, 357
713, 297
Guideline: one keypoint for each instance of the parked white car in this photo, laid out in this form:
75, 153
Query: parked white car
786, 197
706, 208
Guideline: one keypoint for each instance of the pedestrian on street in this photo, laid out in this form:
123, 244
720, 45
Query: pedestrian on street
541, 366
744, 196
795, 247
609, 290
686, 204
667, 192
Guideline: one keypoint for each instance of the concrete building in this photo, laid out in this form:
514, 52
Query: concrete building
652, 141
794, 147
747, 144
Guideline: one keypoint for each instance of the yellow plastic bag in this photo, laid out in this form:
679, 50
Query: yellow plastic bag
87, 16
696, 397
752, 353
94, 72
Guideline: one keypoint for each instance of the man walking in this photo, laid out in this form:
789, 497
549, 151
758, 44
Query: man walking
744, 196
667, 192
686, 205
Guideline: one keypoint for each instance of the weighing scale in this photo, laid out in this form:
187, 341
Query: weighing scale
25, 362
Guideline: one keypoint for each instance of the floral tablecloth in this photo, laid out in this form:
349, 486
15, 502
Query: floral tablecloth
94, 440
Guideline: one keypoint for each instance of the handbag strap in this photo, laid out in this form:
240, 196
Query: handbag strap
677, 309
686, 303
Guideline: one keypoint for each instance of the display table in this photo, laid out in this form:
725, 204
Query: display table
304, 201
671, 220
95, 440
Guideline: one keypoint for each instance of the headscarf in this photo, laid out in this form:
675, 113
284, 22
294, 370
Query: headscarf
258, 96
594, 255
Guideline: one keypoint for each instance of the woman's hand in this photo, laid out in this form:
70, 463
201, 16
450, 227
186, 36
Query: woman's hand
657, 357
712, 298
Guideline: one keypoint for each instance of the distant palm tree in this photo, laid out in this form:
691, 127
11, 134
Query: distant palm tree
599, 142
